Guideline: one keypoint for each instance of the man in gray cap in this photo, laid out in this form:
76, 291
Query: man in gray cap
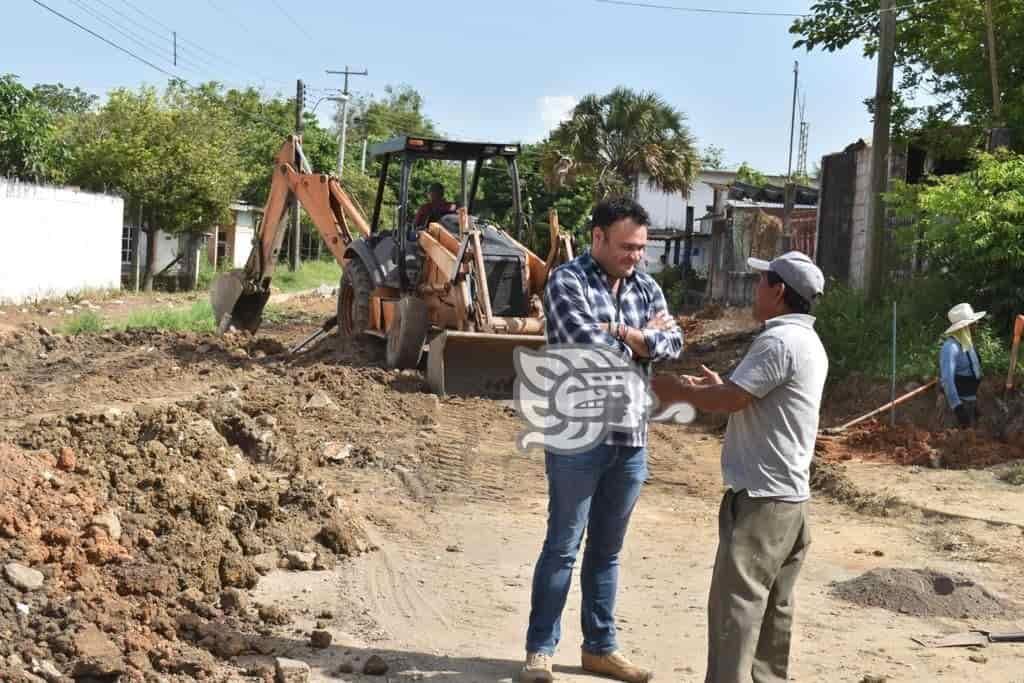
773, 397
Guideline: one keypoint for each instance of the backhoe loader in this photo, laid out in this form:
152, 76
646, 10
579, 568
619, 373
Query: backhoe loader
461, 288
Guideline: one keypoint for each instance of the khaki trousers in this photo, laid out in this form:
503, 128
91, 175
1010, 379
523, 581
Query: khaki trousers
761, 546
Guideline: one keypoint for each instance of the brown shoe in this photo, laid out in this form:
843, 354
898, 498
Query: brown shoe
537, 669
615, 665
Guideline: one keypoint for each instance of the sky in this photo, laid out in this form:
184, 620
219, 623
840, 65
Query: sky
496, 70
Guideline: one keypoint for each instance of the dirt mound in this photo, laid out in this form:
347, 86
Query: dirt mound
908, 445
924, 593
138, 520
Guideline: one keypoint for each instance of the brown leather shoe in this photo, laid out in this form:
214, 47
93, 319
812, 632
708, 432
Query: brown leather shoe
615, 665
537, 669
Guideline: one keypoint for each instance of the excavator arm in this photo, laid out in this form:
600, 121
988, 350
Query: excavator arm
238, 297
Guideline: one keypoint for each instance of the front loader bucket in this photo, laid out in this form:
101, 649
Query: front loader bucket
475, 363
233, 306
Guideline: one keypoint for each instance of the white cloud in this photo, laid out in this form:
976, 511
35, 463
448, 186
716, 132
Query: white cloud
554, 109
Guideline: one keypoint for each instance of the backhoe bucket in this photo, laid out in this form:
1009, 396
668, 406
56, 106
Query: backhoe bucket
475, 363
233, 306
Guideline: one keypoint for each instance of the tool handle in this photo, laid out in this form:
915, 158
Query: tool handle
1018, 330
1012, 637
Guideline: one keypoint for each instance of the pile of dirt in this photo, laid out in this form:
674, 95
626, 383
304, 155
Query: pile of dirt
924, 593
126, 534
906, 444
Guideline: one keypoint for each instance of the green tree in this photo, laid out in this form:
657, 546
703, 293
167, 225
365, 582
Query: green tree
30, 148
713, 157
174, 155
941, 49
622, 136
750, 175
572, 201
970, 228
60, 99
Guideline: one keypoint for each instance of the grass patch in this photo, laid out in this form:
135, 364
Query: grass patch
84, 323
311, 274
197, 318
1014, 474
858, 334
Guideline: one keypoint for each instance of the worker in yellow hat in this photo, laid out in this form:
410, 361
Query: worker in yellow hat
959, 366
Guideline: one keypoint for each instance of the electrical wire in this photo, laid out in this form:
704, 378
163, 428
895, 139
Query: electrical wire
246, 114
107, 41
292, 20
745, 12
132, 36
186, 41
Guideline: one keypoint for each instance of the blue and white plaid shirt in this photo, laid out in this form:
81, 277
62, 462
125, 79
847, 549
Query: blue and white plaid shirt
578, 304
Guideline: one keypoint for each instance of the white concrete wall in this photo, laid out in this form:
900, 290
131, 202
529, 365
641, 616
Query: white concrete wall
244, 229
57, 240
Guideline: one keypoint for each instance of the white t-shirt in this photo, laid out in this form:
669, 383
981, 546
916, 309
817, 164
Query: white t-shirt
769, 444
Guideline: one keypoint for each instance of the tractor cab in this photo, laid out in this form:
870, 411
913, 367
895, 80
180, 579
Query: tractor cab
406, 150
503, 257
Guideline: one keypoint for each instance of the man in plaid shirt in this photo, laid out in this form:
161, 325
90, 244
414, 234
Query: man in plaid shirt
598, 298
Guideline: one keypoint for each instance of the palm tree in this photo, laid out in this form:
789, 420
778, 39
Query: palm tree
621, 136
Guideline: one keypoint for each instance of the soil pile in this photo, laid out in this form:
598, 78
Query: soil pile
924, 593
908, 445
121, 533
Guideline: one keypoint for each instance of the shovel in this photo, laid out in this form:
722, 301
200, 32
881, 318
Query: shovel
971, 638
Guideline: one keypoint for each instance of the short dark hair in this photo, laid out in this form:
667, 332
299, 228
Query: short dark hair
794, 302
609, 211
437, 187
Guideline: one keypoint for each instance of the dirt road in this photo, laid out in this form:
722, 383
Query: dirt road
456, 516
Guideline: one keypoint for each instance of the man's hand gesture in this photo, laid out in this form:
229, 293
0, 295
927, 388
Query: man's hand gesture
707, 378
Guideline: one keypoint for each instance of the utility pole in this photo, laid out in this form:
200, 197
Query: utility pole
993, 66
175, 48
880, 150
300, 97
344, 113
786, 238
999, 135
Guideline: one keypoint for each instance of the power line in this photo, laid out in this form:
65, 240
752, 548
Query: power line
701, 10
292, 19
105, 40
99, 16
249, 115
197, 47
745, 12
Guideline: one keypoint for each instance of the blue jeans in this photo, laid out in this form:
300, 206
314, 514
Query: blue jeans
593, 491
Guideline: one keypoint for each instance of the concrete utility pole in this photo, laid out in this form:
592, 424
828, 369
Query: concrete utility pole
880, 150
345, 96
293, 262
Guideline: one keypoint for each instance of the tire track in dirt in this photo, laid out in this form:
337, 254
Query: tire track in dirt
474, 456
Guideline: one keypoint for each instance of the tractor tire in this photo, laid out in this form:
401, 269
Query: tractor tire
408, 334
354, 300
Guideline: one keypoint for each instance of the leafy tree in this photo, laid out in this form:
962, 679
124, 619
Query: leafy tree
941, 49
970, 227
29, 146
621, 136
573, 201
175, 154
750, 175
713, 157
61, 100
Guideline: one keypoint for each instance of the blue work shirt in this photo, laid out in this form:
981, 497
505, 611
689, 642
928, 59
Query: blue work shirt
953, 361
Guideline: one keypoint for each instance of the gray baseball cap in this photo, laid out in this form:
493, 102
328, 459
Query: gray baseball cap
797, 270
